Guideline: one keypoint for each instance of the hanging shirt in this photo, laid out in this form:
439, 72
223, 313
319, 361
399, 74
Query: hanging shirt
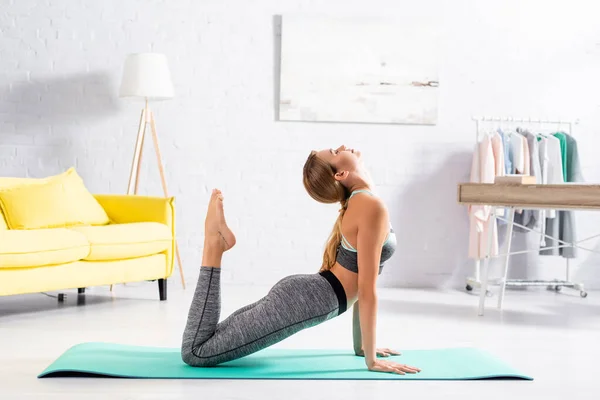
562, 137
531, 218
499, 167
498, 152
544, 159
483, 168
555, 161
518, 152
573, 164
507, 152
563, 226
526, 157
551, 165
550, 160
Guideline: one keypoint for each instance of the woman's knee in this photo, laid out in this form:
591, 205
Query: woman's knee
194, 359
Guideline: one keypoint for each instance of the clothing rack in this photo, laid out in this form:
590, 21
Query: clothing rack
529, 120
555, 284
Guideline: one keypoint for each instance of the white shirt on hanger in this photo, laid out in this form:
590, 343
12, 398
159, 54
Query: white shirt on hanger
544, 159
551, 165
555, 172
518, 151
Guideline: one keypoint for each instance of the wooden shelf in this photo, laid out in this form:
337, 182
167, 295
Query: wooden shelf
565, 196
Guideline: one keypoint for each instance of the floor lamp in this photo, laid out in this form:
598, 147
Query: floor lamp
146, 77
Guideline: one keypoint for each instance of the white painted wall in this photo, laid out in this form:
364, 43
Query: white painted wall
60, 66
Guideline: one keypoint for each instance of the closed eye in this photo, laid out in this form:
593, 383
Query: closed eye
334, 152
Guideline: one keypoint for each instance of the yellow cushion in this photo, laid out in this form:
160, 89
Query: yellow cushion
119, 241
7, 182
60, 201
3, 225
19, 249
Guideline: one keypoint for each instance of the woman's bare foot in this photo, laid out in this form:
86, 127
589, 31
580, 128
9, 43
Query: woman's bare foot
217, 233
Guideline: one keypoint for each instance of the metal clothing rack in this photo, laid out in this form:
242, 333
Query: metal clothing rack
556, 284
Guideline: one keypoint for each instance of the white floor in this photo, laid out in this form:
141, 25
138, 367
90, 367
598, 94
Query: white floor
553, 337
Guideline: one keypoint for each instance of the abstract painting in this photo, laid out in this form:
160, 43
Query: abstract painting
357, 69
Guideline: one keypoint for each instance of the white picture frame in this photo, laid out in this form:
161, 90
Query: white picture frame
358, 69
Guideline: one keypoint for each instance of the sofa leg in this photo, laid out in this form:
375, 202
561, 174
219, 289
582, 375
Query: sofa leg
162, 289
81, 290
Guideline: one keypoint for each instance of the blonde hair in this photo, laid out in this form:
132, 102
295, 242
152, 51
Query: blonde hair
321, 185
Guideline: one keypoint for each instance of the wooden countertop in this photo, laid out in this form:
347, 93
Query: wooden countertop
564, 196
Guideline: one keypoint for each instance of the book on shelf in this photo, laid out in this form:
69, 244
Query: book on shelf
516, 179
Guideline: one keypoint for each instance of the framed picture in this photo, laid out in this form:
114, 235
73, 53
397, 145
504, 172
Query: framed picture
371, 70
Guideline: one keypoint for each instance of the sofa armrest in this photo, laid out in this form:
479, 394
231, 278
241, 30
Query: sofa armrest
122, 208
133, 208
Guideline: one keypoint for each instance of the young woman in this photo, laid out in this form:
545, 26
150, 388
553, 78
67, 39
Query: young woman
361, 241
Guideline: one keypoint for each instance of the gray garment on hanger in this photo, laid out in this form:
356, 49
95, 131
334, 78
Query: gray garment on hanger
563, 226
530, 218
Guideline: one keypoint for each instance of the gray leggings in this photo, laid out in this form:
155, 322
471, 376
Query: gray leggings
295, 303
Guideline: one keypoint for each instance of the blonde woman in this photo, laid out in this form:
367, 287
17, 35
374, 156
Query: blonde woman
360, 243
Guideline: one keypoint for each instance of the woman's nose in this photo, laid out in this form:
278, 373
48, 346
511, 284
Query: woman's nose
342, 148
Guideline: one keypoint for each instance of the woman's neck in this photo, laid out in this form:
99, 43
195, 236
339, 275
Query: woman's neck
361, 181
360, 186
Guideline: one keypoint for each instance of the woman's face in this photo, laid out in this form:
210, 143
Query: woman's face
342, 158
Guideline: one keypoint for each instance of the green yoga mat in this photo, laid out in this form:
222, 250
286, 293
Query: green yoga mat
121, 361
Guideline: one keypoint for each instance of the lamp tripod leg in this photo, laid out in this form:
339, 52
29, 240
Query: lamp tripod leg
139, 165
137, 155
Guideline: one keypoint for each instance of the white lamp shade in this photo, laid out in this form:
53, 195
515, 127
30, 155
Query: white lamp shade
146, 75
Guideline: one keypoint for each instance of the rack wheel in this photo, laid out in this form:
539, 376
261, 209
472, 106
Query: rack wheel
558, 288
469, 288
583, 294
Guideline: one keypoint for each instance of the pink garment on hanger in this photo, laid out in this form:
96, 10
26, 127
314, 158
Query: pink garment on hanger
483, 170
527, 157
498, 152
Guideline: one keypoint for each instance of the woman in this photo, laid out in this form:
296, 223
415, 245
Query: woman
361, 241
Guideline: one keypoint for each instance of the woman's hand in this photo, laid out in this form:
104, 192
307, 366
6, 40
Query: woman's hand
380, 352
391, 367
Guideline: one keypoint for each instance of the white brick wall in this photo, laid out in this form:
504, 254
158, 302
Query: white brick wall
60, 66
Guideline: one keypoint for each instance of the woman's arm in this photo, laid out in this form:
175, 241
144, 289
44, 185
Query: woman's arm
356, 336
371, 235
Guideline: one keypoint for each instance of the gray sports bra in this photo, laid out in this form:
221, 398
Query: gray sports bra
347, 255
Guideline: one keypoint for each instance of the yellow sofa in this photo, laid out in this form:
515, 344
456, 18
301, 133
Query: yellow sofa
136, 245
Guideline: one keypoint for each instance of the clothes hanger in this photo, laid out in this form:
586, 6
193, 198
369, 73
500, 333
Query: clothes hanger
516, 127
510, 121
481, 129
559, 125
488, 130
504, 129
540, 130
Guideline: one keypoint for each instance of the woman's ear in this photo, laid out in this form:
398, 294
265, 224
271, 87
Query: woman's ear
341, 175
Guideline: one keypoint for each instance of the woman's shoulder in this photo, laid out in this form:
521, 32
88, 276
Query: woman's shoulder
369, 206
